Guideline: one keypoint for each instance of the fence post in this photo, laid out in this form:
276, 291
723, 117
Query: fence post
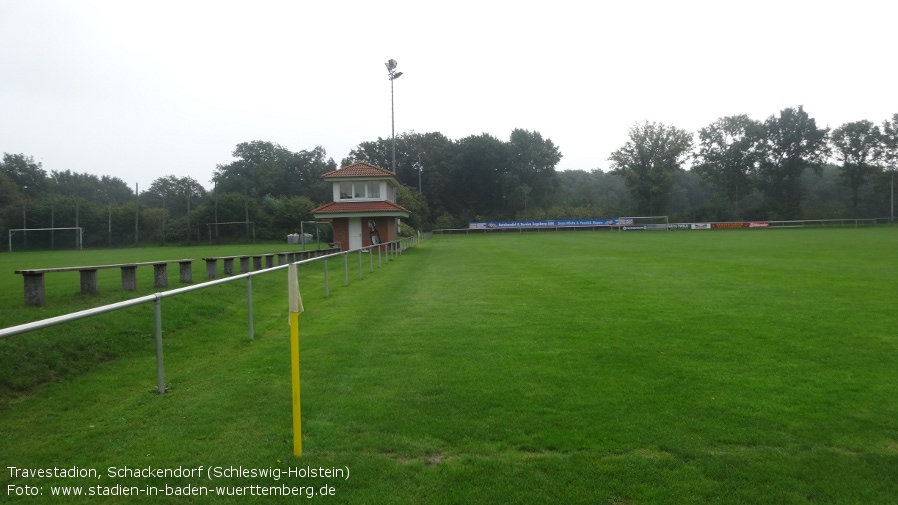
160, 369
249, 306
379, 264
360, 264
371, 259
346, 268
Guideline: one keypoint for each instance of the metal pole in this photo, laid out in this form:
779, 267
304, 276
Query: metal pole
188, 210
249, 305
371, 259
160, 369
893, 198
327, 289
346, 269
216, 214
360, 264
379, 264
393, 124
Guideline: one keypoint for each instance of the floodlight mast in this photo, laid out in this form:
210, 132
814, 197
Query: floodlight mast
392, 74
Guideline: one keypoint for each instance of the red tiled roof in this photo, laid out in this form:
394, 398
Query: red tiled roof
359, 208
360, 170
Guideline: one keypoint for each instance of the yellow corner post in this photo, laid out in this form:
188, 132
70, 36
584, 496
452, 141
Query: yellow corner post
295, 301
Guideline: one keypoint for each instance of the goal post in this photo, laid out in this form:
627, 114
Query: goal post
652, 223
228, 230
47, 238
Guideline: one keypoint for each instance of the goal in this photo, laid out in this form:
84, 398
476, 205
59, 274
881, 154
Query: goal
653, 223
42, 239
232, 232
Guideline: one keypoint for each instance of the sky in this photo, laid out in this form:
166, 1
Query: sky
144, 89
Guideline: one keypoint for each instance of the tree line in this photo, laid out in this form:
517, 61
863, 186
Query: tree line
785, 167
758, 170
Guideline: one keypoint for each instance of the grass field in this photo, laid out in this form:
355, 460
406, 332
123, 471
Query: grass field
754, 366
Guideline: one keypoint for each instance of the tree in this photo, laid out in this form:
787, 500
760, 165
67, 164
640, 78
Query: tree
794, 143
531, 163
265, 168
857, 146
889, 144
286, 215
729, 154
25, 173
475, 176
100, 190
649, 163
411, 200
377, 153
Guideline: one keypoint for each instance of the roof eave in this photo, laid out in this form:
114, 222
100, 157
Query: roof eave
330, 215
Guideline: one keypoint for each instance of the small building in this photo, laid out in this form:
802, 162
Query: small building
364, 211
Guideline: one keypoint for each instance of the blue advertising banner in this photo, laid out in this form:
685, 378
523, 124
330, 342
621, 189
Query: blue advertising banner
549, 223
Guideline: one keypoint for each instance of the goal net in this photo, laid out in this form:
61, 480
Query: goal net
653, 223
46, 239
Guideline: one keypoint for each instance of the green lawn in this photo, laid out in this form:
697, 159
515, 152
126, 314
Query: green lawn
753, 366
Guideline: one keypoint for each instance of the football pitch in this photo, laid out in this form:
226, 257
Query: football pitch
744, 366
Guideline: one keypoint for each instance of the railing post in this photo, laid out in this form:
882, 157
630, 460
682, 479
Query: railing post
379, 263
249, 306
160, 369
371, 259
360, 264
346, 268
327, 290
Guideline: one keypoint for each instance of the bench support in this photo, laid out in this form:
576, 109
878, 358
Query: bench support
129, 278
160, 275
34, 289
229, 266
211, 268
89, 284
186, 272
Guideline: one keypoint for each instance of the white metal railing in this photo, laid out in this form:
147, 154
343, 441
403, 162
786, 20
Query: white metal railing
390, 250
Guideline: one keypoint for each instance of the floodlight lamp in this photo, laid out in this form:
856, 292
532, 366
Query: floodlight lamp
391, 64
395, 75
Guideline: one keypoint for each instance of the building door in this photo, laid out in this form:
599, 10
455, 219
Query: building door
355, 233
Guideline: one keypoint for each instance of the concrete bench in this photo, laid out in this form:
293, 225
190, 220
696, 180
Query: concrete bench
34, 278
283, 258
212, 263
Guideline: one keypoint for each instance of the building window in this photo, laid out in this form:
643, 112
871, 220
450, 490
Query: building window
345, 190
359, 189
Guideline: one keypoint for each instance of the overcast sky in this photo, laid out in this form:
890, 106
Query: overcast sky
143, 89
